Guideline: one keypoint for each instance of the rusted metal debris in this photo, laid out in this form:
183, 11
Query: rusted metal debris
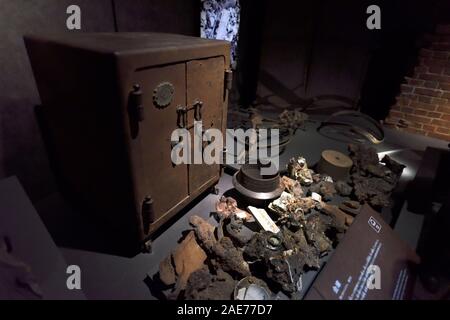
373, 181
393, 165
292, 119
167, 271
315, 228
269, 254
222, 252
238, 231
340, 220
292, 186
343, 188
204, 232
305, 230
298, 170
325, 188
176, 268
350, 207
203, 285
227, 207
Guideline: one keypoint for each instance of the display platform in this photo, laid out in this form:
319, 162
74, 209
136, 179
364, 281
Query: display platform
107, 276
31, 247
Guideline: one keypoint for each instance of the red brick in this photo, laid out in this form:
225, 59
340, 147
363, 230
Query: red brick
446, 71
428, 92
396, 107
429, 62
419, 119
441, 123
434, 77
396, 114
424, 99
406, 88
439, 101
443, 130
415, 125
410, 96
445, 117
420, 112
424, 106
428, 128
446, 95
402, 100
414, 82
407, 110
436, 115
431, 84
439, 136
443, 109
444, 86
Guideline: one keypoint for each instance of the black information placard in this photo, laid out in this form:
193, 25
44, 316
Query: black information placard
371, 263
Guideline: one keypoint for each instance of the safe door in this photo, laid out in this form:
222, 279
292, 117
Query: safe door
162, 90
173, 97
205, 85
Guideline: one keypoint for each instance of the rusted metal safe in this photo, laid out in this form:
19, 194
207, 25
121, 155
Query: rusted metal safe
110, 102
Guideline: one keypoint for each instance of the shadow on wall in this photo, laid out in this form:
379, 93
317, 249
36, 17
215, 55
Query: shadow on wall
22, 151
314, 49
21, 147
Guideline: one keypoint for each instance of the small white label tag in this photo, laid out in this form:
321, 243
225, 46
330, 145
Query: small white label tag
264, 219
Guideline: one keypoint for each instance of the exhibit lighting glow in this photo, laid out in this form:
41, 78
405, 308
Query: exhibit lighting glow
390, 152
408, 172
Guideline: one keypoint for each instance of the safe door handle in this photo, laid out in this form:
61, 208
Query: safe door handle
182, 112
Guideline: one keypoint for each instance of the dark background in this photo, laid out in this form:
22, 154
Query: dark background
289, 51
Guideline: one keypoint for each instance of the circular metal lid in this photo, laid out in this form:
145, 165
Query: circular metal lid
249, 182
163, 94
337, 158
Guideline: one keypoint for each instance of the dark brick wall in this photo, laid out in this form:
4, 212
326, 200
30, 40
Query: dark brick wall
423, 105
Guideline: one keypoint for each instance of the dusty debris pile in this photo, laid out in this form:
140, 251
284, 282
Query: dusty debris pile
373, 180
262, 253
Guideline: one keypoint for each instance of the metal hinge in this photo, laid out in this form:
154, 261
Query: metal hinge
148, 214
182, 112
136, 106
228, 79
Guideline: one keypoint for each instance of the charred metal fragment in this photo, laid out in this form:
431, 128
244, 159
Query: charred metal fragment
229, 258
202, 285
315, 234
298, 169
338, 217
393, 165
238, 232
350, 207
325, 188
227, 207
343, 188
292, 186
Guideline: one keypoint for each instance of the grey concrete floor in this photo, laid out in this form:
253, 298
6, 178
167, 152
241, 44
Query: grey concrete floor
112, 277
